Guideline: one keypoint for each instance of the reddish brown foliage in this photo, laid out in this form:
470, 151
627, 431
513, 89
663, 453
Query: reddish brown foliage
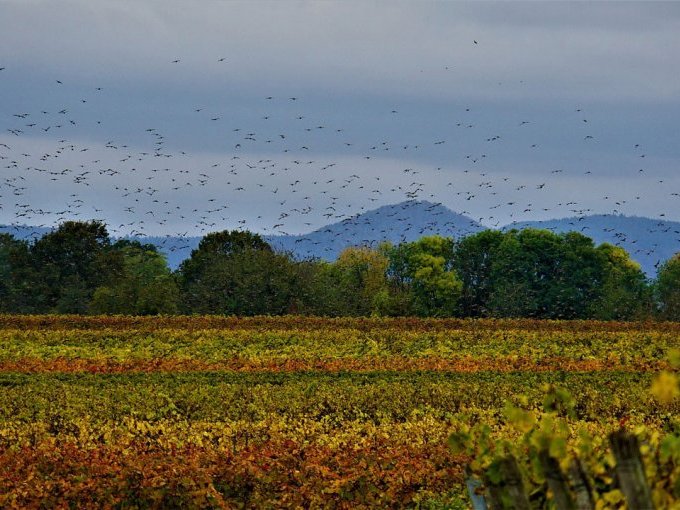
283, 474
366, 364
316, 323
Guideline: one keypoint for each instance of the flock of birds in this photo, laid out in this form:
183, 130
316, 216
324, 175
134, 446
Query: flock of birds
148, 186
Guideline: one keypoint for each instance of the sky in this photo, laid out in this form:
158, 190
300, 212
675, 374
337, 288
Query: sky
280, 117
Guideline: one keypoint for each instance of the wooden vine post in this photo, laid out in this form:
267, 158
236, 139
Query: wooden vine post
506, 486
557, 482
583, 493
630, 470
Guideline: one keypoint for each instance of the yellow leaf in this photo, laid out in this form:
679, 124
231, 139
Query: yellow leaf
674, 358
613, 497
665, 387
519, 418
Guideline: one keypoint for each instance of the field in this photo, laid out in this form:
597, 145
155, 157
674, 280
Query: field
292, 412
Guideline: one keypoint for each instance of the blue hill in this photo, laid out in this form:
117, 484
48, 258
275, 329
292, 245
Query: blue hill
403, 222
649, 241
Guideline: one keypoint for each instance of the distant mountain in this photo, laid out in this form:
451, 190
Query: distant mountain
649, 241
25, 232
175, 249
406, 221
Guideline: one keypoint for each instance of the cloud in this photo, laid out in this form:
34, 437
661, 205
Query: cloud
596, 82
579, 51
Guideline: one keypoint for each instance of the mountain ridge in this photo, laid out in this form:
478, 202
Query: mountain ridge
649, 241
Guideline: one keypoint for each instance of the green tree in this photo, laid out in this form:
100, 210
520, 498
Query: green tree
71, 262
513, 273
238, 273
473, 260
623, 293
145, 286
537, 273
359, 273
230, 242
318, 290
580, 276
17, 276
424, 269
667, 289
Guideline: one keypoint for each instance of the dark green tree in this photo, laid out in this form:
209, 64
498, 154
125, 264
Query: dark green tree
230, 242
17, 277
144, 286
318, 291
667, 289
238, 273
473, 260
71, 262
580, 276
537, 273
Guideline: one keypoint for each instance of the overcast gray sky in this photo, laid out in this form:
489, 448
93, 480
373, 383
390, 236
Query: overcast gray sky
187, 117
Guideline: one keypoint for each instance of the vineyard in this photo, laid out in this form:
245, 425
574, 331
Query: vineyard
297, 412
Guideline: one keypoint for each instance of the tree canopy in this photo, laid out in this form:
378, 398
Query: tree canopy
667, 289
520, 273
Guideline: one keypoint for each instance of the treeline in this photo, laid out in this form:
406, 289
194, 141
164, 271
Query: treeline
78, 269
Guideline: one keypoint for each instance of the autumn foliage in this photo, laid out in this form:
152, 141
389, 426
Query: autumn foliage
290, 412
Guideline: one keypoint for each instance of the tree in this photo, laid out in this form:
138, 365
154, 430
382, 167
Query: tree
231, 242
17, 276
473, 259
537, 273
579, 279
424, 269
318, 291
145, 285
623, 293
238, 273
360, 275
667, 289
511, 274
71, 263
